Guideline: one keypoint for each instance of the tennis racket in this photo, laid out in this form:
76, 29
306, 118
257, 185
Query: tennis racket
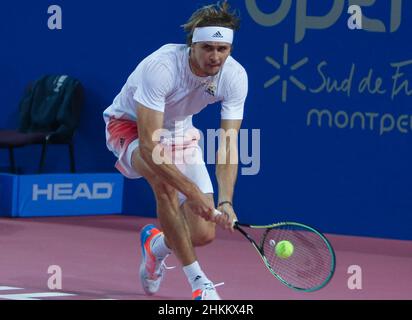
309, 263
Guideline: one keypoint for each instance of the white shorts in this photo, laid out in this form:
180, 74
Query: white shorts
122, 139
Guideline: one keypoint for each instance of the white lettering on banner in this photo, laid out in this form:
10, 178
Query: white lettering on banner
102, 191
45, 192
329, 85
355, 80
305, 22
388, 79
404, 86
82, 191
67, 191
371, 84
382, 123
62, 191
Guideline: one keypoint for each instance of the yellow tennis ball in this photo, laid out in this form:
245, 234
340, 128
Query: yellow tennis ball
284, 249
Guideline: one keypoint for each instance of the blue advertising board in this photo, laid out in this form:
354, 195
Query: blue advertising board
61, 195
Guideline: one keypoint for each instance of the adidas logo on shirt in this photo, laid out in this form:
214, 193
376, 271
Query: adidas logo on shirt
211, 89
217, 35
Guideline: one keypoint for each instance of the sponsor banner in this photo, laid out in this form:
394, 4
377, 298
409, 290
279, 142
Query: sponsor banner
63, 194
8, 195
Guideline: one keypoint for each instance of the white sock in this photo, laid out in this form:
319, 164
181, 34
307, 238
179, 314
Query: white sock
159, 247
195, 275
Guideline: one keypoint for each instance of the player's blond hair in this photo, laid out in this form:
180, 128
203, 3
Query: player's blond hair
217, 15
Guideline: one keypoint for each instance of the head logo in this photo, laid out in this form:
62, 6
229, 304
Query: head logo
68, 191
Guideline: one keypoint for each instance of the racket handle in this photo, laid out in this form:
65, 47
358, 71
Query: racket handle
218, 213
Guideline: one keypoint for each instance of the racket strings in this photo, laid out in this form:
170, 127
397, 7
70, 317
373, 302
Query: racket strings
311, 263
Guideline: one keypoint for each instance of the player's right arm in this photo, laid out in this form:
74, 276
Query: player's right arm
149, 121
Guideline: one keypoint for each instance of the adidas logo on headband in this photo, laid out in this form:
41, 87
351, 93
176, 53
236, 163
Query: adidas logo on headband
217, 35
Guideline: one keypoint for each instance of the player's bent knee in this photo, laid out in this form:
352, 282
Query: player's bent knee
204, 238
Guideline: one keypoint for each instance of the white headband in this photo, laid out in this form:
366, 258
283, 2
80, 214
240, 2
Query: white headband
213, 34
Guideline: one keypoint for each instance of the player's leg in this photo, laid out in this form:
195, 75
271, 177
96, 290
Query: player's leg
156, 244
176, 231
202, 232
122, 139
172, 222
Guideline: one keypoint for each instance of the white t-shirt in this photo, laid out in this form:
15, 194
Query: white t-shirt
164, 82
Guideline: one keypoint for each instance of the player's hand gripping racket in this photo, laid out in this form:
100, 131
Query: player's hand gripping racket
297, 255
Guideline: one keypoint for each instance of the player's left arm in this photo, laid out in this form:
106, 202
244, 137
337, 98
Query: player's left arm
227, 154
227, 168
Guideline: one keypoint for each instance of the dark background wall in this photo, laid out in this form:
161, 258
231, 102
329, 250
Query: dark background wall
341, 178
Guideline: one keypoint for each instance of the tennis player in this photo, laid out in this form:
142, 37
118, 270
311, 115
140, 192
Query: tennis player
149, 129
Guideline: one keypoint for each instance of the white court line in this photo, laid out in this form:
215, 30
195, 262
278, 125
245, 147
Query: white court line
9, 288
34, 296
